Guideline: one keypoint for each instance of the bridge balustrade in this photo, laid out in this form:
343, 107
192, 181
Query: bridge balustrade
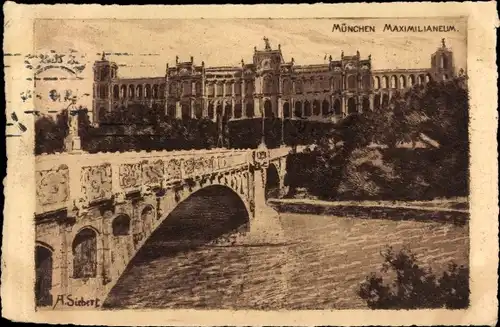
78, 180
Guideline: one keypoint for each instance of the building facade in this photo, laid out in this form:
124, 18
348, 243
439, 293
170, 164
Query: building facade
268, 86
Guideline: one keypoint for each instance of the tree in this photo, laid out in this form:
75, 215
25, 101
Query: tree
438, 111
50, 133
414, 287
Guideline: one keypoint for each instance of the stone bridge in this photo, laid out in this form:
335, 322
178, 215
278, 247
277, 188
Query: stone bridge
95, 211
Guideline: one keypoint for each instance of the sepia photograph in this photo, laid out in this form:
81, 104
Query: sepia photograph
349, 157
266, 164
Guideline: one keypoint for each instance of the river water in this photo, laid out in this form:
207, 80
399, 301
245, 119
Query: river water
320, 266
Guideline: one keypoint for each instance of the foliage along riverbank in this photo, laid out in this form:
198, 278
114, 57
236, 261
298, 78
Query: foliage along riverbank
363, 157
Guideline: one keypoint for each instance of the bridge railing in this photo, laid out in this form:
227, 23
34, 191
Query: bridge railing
75, 180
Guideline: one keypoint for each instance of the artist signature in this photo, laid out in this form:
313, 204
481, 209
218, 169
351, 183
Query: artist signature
69, 301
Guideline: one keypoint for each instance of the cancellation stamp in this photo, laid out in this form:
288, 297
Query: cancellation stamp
251, 163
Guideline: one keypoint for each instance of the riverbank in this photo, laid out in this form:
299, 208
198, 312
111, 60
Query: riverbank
453, 211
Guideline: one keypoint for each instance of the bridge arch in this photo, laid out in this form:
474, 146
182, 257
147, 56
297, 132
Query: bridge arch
43, 271
193, 222
272, 181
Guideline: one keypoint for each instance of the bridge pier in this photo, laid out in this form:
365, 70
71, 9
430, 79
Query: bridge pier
265, 226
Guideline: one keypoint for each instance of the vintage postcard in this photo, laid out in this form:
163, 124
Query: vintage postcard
251, 165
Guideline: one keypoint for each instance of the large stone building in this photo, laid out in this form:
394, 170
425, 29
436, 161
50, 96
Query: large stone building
268, 86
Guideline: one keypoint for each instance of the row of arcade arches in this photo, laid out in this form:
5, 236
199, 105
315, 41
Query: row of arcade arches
401, 82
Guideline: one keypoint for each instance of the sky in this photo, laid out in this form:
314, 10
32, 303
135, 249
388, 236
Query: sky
224, 42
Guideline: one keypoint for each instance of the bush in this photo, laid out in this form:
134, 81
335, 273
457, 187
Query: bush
414, 287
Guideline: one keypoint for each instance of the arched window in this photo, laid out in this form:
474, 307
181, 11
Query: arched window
385, 100
444, 62
351, 82
316, 108
351, 106
337, 83
123, 91
237, 88
210, 89
121, 225
148, 91
249, 111
299, 87
138, 91
268, 109
325, 108
421, 79
317, 84
218, 109
286, 110
211, 110
85, 254
219, 89
186, 88
411, 80
298, 109
287, 87
198, 88
198, 112
402, 82
337, 108
162, 91
326, 84
306, 85
237, 110
171, 111
43, 270
186, 110
376, 82
385, 82
249, 88
229, 88
228, 111
131, 93
116, 92
103, 91
155, 92
366, 81
394, 84
428, 78
445, 77
307, 109
268, 85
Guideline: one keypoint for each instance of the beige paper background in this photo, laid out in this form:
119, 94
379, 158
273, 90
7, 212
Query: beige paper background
18, 233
